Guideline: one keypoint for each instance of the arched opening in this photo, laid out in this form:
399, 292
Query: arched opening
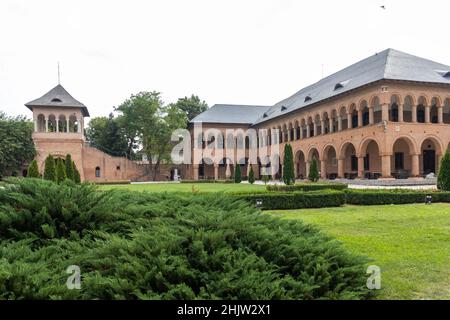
348, 152
434, 110
393, 108
318, 125
285, 134
300, 163
313, 154
365, 113
297, 130
279, 134
73, 124
354, 116
446, 111
291, 132
334, 115
372, 159
51, 123
206, 169
331, 162
401, 162
62, 123
377, 112
41, 123
407, 109
421, 110
326, 123
303, 128
311, 127
97, 172
430, 152
344, 120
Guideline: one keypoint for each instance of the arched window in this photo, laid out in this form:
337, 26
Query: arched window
97, 172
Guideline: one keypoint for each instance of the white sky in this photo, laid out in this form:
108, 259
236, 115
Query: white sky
225, 51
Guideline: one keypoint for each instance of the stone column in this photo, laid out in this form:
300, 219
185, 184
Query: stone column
371, 115
400, 113
361, 167
414, 114
195, 171
360, 122
427, 114
339, 123
440, 114
438, 164
308, 131
322, 126
323, 169
349, 120
295, 133
46, 124
35, 125
301, 132
386, 166
308, 164
67, 124
289, 138
330, 124
385, 112
415, 171
57, 124
216, 172
341, 168
315, 128
228, 171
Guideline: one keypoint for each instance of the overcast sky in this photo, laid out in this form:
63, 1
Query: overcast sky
225, 51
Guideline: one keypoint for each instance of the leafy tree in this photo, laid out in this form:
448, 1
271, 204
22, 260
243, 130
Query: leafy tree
107, 135
191, 106
288, 165
237, 174
154, 124
76, 173
16, 143
69, 167
60, 171
313, 171
50, 169
443, 182
33, 170
251, 176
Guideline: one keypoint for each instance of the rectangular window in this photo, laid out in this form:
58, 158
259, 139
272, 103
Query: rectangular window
399, 164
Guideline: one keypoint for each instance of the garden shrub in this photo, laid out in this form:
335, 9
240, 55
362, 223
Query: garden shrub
306, 187
50, 168
443, 181
288, 165
313, 175
33, 170
237, 174
251, 176
136, 245
69, 167
381, 197
295, 200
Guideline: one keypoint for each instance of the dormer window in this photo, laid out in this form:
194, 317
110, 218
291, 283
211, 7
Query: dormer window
283, 108
265, 115
341, 84
56, 100
443, 73
308, 98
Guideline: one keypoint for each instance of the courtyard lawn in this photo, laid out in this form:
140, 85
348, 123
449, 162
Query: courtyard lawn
187, 187
410, 243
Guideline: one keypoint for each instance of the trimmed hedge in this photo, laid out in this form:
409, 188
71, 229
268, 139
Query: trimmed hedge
111, 182
373, 197
295, 200
206, 181
307, 187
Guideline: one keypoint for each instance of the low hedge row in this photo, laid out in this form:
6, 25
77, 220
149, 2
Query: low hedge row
307, 187
336, 198
207, 181
295, 200
374, 197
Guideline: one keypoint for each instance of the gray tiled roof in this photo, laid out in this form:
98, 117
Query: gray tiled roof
58, 97
389, 64
230, 113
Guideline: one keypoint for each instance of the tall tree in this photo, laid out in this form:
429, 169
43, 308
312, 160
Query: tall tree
76, 174
154, 124
443, 180
60, 171
192, 106
106, 134
313, 171
33, 170
69, 167
16, 143
50, 169
237, 173
288, 165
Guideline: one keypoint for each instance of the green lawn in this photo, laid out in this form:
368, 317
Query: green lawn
410, 243
187, 187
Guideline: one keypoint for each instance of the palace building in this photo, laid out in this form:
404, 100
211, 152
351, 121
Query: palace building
387, 116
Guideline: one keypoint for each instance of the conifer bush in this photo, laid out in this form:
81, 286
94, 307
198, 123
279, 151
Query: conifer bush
69, 167
288, 166
33, 170
313, 171
60, 171
76, 174
251, 176
162, 246
50, 169
237, 173
443, 182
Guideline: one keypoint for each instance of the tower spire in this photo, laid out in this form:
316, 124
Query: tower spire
59, 75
